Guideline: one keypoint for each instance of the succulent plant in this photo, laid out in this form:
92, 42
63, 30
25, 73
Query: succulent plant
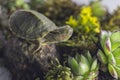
83, 67
109, 54
59, 72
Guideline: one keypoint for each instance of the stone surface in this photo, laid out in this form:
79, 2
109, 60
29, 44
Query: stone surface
23, 64
4, 72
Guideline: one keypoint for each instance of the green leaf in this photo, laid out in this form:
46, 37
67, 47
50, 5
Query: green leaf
104, 36
111, 59
85, 61
97, 68
112, 71
117, 68
84, 65
83, 68
89, 57
116, 53
118, 61
77, 57
102, 57
73, 65
115, 45
115, 36
78, 78
92, 75
105, 42
94, 65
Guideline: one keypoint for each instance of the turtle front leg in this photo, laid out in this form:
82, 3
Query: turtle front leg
38, 47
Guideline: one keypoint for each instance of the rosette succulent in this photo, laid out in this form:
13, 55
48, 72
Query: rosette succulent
109, 55
83, 67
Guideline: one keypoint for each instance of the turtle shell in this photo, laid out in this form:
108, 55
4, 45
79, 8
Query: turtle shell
30, 25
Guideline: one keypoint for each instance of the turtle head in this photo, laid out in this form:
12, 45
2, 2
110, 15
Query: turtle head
58, 35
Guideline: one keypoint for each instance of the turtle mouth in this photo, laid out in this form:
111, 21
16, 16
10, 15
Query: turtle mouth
58, 35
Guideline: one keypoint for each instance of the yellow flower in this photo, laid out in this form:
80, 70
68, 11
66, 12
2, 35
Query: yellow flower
73, 22
87, 11
94, 20
87, 29
84, 20
97, 30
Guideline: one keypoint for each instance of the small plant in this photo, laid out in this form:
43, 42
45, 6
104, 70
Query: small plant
59, 72
83, 67
109, 55
18, 4
115, 19
85, 22
97, 9
86, 29
111, 21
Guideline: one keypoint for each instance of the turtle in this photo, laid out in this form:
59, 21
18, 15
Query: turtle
32, 25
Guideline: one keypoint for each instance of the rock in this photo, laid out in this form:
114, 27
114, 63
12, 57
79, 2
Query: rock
22, 61
4, 72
